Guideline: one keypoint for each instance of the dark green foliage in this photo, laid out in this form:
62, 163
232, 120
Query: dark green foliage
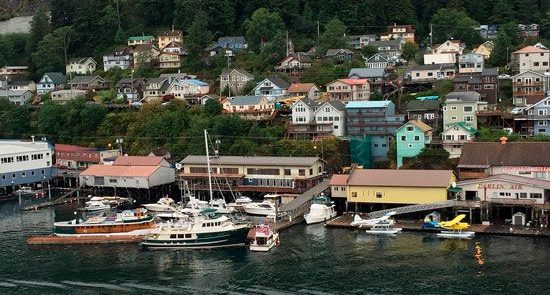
262, 26
212, 107
451, 23
429, 158
197, 39
333, 36
12, 49
368, 51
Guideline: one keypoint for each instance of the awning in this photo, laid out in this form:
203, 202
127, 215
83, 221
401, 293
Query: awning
455, 189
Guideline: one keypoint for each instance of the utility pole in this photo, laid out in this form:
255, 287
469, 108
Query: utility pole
318, 33
431, 34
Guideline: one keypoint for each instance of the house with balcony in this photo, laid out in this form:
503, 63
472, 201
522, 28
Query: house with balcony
446, 53
27, 85
339, 54
13, 72
281, 175
412, 138
155, 88
455, 136
77, 157
430, 73
308, 90
378, 61
376, 120
145, 54
405, 32
531, 58
253, 108
427, 111
462, 107
122, 57
535, 119
360, 41
525, 159
486, 83
80, 66
50, 81
168, 37
348, 89
530, 87
88, 83
294, 64
377, 77
391, 49
224, 44
234, 80
271, 87
187, 88
311, 119
470, 63
171, 55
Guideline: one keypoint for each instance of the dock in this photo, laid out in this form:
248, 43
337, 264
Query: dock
344, 221
65, 198
57, 240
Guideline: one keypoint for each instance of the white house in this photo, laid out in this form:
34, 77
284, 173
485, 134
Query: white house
445, 53
121, 57
330, 117
310, 118
272, 87
182, 88
81, 66
49, 82
377, 61
455, 136
253, 108
470, 63
24, 162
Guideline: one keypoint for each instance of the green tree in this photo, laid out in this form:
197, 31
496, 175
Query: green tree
451, 23
13, 49
62, 13
261, 27
333, 36
368, 51
197, 40
499, 54
212, 107
49, 55
40, 27
410, 50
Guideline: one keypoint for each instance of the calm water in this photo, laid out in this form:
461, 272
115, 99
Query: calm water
310, 260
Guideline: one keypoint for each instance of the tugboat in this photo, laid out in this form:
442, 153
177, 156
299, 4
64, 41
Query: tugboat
127, 222
264, 239
321, 210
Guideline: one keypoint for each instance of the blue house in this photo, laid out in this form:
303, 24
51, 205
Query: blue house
412, 138
234, 44
536, 118
50, 81
376, 120
272, 87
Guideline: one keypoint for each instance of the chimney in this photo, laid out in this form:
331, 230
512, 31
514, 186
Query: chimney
503, 140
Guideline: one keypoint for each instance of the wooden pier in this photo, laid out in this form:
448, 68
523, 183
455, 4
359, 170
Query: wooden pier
344, 221
57, 240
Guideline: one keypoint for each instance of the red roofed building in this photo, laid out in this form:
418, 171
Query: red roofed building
348, 89
77, 157
130, 172
338, 184
532, 58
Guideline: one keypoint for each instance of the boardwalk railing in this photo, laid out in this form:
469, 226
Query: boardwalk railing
413, 208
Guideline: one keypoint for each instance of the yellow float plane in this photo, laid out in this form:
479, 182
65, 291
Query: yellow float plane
455, 224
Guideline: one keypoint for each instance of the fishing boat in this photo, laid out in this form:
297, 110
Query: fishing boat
321, 210
127, 222
264, 238
204, 230
164, 204
384, 228
265, 208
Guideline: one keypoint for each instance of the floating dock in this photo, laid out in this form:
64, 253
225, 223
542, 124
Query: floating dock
344, 221
57, 240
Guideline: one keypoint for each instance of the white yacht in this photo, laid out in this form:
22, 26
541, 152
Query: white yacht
264, 238
164, 204
97, 204
321, 210
221, 206
239, 203
383, 228
265, 208
94, 206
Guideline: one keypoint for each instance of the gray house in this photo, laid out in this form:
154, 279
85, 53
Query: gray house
536, 118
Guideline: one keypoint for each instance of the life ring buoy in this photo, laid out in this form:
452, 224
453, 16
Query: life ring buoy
278, 242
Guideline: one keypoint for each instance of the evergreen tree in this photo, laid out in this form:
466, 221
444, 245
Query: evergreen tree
261, 27
503, 44
197, 40
62, 13
451, 23
333, 36
40, 27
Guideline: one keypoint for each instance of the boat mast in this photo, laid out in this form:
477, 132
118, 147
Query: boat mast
208, 164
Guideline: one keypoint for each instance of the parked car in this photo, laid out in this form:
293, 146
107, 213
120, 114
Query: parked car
504, 76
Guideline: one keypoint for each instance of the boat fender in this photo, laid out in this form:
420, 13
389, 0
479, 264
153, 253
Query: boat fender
278, 242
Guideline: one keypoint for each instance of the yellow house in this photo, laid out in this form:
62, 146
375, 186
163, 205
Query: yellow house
485, 49
390, 186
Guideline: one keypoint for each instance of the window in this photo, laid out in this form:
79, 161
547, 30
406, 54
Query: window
468, 109
522, 195
287, 172
403, 138
453, 118
112, 180
525, 173
416, 138
410, 128
453, 108
198, 169
354, 194
505, 194
468, 118
410, 145
542, 112
378, 195
536, 196
263, 171
540, 175
302, 172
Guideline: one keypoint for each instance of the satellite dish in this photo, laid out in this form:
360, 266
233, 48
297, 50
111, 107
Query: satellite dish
453, 184
179, 166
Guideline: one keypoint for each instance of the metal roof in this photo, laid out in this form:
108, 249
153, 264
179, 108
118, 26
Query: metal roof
252, 160
367, 72
400, 178
368, 104
246, 100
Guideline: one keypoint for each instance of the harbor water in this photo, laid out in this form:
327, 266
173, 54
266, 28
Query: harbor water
310, 260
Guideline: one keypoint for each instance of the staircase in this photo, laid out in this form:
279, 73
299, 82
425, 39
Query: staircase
413, 208
305, 197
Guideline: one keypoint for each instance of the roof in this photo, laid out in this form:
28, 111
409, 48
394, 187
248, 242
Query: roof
120, 171
279, 82
80, 60
432, 67
467, 78
336, 104
14, 92
486, 154
56, 77
511, 178
352, 81
408, 28
381, 56
490, 72
170, 33
418, 123
464, 126
252, 160
530, 49
463, 96
196, 82
367, 72
246, 100
331, 52
310, 103
144, 47
138, 161
402, 178
21, 82
226, 72
300, 87
142, 38
130, 82
421, 105
84, 79
390, 43
72, 148
339, 179
368, 104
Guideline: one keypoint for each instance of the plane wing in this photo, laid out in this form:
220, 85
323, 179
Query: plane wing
456, 220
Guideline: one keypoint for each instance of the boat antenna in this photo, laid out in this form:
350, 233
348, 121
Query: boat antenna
208, 165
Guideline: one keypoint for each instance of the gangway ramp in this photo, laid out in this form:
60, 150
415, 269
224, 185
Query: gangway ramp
413, 208
305, 197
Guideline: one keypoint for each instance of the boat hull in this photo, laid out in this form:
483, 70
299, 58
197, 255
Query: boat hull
222, 239
259, 211
312, 219
392, 231
119, 228
456, 235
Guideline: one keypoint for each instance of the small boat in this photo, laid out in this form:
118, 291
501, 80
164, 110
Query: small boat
385, 228
127, 222
221, 206
171, 215
265, 208
105, 203
456, 234
94, 206
321, 210
264, 239
239, 203
24, 190
164, 204
204, 230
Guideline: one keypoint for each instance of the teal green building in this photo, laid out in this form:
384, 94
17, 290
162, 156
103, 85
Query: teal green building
411, 138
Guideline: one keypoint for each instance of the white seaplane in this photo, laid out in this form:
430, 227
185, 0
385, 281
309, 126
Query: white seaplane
360, 222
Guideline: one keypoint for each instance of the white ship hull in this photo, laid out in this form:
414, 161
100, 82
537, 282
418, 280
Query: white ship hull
259, 211
456, 234
391, 231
